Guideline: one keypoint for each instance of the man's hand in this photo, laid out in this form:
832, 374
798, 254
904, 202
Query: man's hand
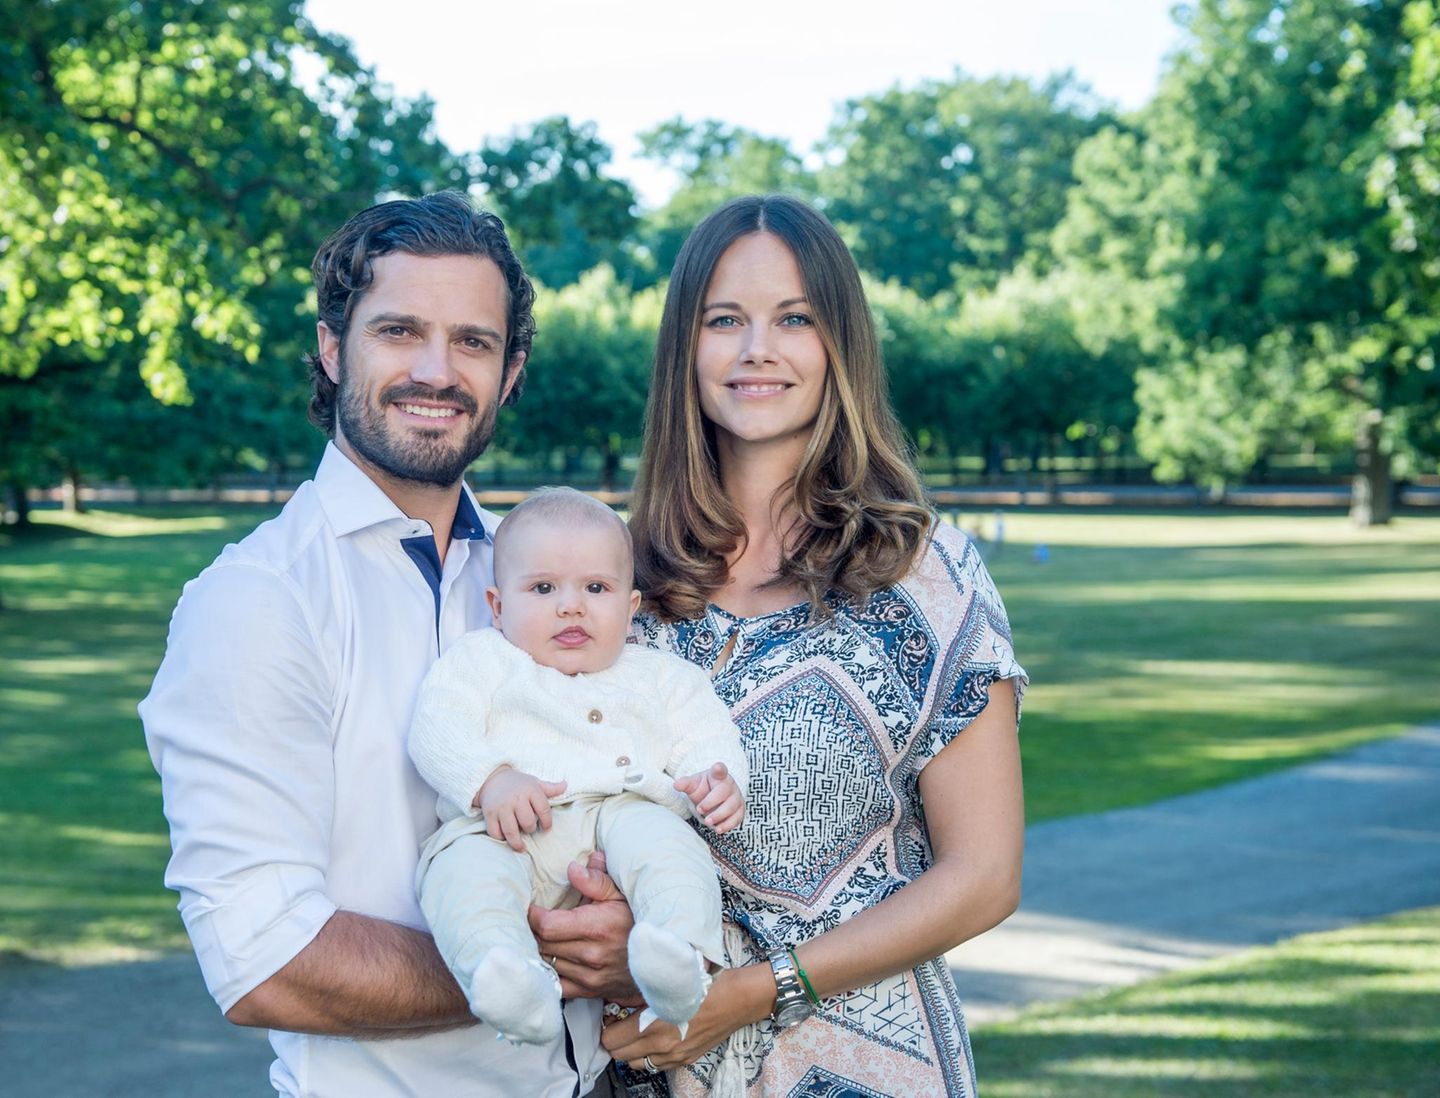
514, 804
716, 797
586, 945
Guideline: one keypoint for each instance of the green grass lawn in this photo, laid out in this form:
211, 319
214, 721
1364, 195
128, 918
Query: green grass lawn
1179, 651
1351, 1012
83, 845
1168, 653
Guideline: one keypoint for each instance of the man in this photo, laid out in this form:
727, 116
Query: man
277, 720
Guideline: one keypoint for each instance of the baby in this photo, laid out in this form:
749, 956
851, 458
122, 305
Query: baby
548, 737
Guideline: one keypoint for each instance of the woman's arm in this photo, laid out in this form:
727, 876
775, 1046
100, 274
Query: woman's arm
975, 814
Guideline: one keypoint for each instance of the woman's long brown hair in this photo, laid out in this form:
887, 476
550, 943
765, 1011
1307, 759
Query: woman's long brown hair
860, 514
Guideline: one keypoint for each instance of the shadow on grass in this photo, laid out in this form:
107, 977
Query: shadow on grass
1207, 1068
1349, 1012
39, 535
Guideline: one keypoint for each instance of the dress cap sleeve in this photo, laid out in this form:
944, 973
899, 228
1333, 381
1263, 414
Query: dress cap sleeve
977, 649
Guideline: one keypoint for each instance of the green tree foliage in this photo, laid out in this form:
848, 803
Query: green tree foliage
1285, 306
1057, 377
1120, 223
714, 162
939, 381
953, 183
166, 171
548, 182
586, 383
1030, 367
1404, 180
1251, 261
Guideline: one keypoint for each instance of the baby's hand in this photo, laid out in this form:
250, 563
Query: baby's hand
515, 803
716, 796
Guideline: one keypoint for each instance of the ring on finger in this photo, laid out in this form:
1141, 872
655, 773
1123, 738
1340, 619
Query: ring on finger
649, 1065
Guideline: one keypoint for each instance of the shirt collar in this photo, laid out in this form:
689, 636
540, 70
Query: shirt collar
352, 501
469, 524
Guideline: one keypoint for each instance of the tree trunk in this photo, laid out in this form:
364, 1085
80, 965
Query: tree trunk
20, 495
71, 492
610, 466
1371, 493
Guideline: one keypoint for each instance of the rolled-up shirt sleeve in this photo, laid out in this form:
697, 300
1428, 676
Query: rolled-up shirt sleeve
239, 727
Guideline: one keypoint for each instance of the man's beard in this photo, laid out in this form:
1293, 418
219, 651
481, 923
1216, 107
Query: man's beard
420, 456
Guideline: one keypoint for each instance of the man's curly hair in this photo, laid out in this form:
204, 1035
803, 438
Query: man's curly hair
439, 224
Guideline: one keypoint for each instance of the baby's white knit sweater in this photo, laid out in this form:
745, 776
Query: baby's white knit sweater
633, 727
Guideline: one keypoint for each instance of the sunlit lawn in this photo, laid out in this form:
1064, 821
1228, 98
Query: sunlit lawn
82, 837
1351, 1012
1173, 652
1168, 653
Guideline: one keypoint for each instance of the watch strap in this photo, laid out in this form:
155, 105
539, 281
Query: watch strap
790, 994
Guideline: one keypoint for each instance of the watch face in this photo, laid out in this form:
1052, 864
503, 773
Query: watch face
792, 1014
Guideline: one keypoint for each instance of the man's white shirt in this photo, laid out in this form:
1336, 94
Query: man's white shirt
277, 723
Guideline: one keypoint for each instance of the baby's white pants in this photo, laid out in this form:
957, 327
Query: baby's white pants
475, 890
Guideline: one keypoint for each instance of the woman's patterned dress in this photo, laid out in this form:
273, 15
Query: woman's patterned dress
838, 720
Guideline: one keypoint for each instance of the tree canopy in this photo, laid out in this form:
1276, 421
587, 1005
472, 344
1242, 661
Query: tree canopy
1289, 308
715, 162
954, 183
1244, 267
548, 181
164, 167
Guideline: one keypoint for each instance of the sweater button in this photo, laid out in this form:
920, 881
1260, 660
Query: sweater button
596, 716
623, 760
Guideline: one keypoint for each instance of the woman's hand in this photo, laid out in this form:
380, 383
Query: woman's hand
737, 997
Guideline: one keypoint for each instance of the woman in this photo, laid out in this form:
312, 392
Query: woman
783, 541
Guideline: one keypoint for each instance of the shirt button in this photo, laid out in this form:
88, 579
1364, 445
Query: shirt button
596, 716
623, 760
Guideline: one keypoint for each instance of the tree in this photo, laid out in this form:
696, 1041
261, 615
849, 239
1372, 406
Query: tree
549, 184
940, 381
1056, 375
715, 162
1270, 125
586, 384
953, 183
165, 170
1404, 181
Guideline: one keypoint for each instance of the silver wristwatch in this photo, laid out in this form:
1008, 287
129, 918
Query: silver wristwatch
791, 1004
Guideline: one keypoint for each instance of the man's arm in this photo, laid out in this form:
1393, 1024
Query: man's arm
359, 977
239, 728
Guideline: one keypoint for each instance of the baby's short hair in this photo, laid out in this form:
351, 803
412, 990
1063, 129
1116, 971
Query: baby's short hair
565, 507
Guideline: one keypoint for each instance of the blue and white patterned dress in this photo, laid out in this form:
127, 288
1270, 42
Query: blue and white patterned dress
838, 719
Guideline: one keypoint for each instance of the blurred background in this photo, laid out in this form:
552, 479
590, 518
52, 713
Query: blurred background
1159, 290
